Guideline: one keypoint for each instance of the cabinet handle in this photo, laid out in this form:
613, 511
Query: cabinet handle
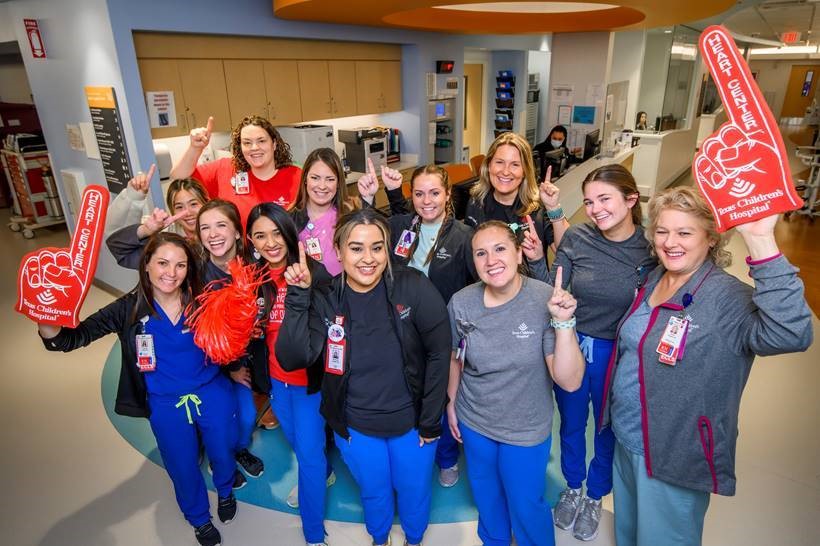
330, 106
268, 111
193, 119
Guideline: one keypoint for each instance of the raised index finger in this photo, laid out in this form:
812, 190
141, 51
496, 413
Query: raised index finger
548, 174
371, 168
88, 232
151, 172
741, 97
210, 126
559, 277
302, 256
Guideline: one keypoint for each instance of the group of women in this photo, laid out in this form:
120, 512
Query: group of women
407, 336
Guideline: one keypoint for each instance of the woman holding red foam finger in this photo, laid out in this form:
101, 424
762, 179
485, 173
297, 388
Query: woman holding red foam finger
167, 379
684, 352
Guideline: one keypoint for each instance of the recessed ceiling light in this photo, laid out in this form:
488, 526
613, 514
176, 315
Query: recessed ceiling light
530, 7
667, 31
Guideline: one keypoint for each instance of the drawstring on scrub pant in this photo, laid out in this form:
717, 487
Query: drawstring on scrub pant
184, 399
586, 348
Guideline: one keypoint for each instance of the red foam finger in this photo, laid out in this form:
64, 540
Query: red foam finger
88, 233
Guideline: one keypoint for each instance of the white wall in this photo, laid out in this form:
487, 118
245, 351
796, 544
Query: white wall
14, 85
627, 61
653, 75
580, 59
6, 24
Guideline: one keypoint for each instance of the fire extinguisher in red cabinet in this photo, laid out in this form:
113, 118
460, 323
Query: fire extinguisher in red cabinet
52, 197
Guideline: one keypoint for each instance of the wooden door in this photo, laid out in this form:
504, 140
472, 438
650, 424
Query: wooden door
245, 84
163, 75
473, 101
314, 90
203, 85
369, 92
391, 85
794, 103
342, 87
282, 88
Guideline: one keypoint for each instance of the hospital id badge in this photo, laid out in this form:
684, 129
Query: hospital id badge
405, 242
669, 346
314, 249
146, 359
241, 183
335, 359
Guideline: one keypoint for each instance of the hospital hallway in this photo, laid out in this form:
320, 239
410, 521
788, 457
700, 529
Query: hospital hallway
75, 479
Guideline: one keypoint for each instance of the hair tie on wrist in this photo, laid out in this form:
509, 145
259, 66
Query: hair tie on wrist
555, 215
563, 324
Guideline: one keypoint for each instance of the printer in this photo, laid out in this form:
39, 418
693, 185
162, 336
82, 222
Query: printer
303, 139
362, 144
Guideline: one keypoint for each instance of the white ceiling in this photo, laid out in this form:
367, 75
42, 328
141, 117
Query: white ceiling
771, 18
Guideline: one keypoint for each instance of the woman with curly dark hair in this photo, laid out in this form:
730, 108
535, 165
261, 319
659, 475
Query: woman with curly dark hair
260, 170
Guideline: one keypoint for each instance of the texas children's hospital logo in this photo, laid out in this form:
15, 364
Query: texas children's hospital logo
523, 331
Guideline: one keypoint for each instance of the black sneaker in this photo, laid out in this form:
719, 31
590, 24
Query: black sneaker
253, 465
208, 535
226, 509
239, 480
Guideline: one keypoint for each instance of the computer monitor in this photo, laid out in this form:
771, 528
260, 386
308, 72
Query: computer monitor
591, 144
554, 159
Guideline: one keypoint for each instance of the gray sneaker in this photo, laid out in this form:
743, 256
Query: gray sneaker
586, 524
448, 477
567, 508
293, 496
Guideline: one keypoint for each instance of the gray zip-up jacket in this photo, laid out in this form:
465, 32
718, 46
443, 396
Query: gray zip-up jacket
689, 412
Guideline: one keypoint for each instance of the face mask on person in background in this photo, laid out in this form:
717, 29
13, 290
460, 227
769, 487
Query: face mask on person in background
556, 143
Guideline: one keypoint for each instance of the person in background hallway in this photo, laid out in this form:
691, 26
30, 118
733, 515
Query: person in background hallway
684, 352
166, 378
383, 340
507, 191
439, 247
322, 198
260, 170
294, 393
513, 336
604, 263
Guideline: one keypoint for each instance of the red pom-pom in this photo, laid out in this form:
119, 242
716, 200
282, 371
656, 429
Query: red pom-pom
227, 312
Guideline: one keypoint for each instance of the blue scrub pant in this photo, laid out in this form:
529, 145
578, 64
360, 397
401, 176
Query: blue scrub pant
650, 511
574, 410
304, 428
382, 465
215, 419
508, 485
447, 450
245, 415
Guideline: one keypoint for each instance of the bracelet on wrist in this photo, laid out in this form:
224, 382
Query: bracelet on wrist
563, 324
555, 215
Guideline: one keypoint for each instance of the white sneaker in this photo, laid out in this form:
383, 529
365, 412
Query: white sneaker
448, 477
293, 496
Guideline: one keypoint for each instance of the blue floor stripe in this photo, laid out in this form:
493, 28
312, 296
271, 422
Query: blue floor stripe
271, 489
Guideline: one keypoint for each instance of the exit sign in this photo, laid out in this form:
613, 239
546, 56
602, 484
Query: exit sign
790, 37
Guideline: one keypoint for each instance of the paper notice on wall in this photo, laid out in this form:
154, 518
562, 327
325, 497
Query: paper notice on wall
161, 109
564, 114
595, 94
562, 93
89, 140
610, 99
75, 137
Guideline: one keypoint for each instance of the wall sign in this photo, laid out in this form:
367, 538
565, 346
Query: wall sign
35, 41
105, 117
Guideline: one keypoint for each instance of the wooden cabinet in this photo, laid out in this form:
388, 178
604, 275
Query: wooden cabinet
163, 75
203, 86
314, 90
282, 89
342, 75
245, 84
378, 86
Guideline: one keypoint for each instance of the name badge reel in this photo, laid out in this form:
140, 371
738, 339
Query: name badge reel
241, 183
336, 343
146, 358
405, 242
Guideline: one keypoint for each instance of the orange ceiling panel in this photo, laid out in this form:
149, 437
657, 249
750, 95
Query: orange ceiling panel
424, 15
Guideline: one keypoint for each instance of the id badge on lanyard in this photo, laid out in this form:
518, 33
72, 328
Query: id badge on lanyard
241, 183
405, 243
670, 346
313, 247
336, 344
146, 358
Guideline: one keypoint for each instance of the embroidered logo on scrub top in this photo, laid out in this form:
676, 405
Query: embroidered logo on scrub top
442, 254
523, 331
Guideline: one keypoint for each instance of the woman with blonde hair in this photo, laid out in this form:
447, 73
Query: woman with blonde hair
507, 191
684, 351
